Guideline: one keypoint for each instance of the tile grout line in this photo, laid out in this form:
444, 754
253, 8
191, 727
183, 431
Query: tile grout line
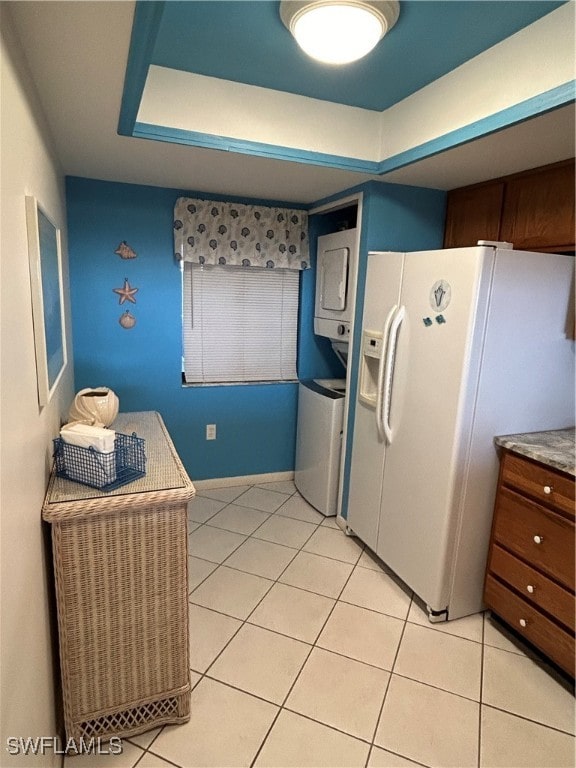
204, 675
480, 704
154, 754
337, 599
274, 512
233, 501
245, 621
322, 648
250, 487
281, 707
529, 720
437, 688
378, 719
318, 524
302, 589
291, 688
249, 535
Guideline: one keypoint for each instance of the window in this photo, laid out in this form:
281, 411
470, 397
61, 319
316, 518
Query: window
239, 324
240, 267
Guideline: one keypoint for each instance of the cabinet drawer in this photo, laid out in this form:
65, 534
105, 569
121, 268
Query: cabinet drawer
540, 482
533, 586
551, 639
542, 538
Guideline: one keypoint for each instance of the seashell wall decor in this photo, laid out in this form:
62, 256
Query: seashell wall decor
125, 251
127, 320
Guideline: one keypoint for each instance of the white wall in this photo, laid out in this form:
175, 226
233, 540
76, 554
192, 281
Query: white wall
531, 62
192, 102
28, 699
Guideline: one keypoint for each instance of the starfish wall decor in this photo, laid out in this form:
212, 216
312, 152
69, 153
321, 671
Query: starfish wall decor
126, 293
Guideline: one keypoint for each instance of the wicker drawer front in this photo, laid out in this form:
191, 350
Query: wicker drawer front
122, 584
120, 572
533, 586
542, 538
555, 642
540, 482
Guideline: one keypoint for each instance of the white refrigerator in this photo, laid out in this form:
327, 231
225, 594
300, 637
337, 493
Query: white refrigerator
458, 346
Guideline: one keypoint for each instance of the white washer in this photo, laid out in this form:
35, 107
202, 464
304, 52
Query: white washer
319, 442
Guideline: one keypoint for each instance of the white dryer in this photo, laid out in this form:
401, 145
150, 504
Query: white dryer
319, 442
335, 284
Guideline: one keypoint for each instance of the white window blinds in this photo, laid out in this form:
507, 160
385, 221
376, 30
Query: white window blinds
239, 324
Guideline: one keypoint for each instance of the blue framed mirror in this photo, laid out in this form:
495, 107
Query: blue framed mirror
45, 257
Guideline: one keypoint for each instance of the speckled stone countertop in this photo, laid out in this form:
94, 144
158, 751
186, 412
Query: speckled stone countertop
554, 448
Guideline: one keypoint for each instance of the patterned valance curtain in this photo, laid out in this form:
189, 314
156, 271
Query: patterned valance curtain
221, 233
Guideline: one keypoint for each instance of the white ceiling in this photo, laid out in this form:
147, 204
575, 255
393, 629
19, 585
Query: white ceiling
77, 54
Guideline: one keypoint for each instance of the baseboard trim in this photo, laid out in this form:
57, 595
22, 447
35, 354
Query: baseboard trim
221, 482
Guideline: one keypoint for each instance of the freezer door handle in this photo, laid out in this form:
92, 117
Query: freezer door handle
381, 366
389, 370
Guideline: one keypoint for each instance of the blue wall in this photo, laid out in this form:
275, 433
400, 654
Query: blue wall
256, 429
256, 424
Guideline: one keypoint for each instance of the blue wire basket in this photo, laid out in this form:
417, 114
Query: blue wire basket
106, 471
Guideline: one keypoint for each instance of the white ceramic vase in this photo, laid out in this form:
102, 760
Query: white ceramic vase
97, 406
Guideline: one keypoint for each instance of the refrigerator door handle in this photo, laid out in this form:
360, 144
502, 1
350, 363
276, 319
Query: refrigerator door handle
389, 369
381, 366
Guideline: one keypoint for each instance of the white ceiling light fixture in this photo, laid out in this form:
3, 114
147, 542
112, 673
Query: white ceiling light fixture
339, 31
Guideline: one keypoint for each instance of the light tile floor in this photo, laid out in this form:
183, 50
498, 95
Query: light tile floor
305, 651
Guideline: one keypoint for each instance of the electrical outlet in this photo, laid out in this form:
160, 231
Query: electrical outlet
210, 431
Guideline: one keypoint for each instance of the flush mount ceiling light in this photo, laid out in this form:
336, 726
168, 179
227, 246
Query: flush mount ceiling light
338, 31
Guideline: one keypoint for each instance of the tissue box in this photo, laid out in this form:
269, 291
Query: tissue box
88, 436
103, 470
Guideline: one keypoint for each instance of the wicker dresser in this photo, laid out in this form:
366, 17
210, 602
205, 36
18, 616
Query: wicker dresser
120, 561
530, 574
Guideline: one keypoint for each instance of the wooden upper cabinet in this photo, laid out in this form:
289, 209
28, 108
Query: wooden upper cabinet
539, 210
533, 210
472, 214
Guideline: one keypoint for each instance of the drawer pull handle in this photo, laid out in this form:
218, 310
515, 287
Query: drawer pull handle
538, 539
530, 589
523, 622
548, 489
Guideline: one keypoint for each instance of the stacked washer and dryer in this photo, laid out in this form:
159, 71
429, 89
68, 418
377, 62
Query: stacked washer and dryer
321, 402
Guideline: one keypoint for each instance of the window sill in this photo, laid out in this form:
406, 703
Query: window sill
192, 385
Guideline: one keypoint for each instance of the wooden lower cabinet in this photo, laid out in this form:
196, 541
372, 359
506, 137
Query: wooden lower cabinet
530, 572
546, 595
531, 623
